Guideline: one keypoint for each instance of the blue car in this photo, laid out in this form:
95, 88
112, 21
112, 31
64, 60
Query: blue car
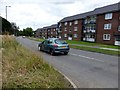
53, 46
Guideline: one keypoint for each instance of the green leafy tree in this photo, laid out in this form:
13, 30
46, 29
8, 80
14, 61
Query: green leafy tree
6, 26
28, 31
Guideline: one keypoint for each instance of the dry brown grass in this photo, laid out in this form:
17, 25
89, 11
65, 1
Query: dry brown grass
24, 69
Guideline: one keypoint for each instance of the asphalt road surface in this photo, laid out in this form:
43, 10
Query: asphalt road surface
85, 69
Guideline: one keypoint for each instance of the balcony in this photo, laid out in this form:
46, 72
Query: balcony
93, 31
89, 22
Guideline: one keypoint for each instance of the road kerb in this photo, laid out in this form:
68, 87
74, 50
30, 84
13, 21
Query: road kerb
74, 86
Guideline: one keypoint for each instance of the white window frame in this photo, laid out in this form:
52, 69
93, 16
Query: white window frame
107, 26
54, 29
65, 35
70, 23
118, 28
108, 16
106, 36
65, 23
60, 25
76, 22
65, 29
75, 28
75, 35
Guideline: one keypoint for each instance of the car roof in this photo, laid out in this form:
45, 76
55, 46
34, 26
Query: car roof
52, 38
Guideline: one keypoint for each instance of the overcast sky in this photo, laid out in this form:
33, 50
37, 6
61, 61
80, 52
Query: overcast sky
40, 13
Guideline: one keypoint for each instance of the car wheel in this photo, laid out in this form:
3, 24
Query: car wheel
66, 53
39, 48
51, 52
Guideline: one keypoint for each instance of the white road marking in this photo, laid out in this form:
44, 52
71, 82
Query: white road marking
86, 57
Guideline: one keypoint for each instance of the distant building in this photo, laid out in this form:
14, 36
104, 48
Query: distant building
47, 32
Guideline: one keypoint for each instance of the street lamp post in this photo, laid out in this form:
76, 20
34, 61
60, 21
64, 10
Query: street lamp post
6, 11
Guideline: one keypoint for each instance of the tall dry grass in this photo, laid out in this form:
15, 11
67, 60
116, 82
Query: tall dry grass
24, 69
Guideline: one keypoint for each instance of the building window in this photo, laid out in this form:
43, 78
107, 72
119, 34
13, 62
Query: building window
65, 23
75, 28
75, 35
85, 21
70, 23
106, 36
76, 22
108, 16
107, 26
51, 32
65, 35
54, 29
60, 25
70, 30
117, 38
118, 28
65, 29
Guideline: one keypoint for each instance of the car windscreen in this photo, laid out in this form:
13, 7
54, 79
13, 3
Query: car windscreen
58, 41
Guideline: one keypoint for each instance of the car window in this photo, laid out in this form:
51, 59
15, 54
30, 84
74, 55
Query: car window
50, 41
46, 42
42, 42
58, 41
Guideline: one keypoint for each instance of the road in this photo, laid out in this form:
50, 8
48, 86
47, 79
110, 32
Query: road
85, 69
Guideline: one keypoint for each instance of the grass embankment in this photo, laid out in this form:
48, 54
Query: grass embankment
24, 69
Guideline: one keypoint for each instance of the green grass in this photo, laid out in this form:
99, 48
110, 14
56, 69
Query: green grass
36, 39
82, 43
24, 69
85, 44
92, 44
109, 52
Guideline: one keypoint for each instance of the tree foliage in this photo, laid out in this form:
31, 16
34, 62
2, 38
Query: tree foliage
26, 32
6, 27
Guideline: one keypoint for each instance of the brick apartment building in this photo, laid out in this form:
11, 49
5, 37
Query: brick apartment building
102, 25
47, 32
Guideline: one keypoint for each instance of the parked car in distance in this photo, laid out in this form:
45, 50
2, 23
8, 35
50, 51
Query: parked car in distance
23, 36
53, 46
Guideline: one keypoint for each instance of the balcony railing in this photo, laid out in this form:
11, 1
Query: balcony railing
89, 31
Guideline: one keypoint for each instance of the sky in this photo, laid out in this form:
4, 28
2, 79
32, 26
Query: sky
40, 13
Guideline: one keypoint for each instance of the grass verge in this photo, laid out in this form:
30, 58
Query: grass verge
36, 39
24, 69
109, 52
92, 44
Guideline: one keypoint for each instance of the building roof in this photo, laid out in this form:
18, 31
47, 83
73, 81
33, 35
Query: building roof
101, 10
53, 26
78, 16
109, 8
47, 27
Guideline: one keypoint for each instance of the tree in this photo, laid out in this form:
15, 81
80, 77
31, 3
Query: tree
28, 31
6, 27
